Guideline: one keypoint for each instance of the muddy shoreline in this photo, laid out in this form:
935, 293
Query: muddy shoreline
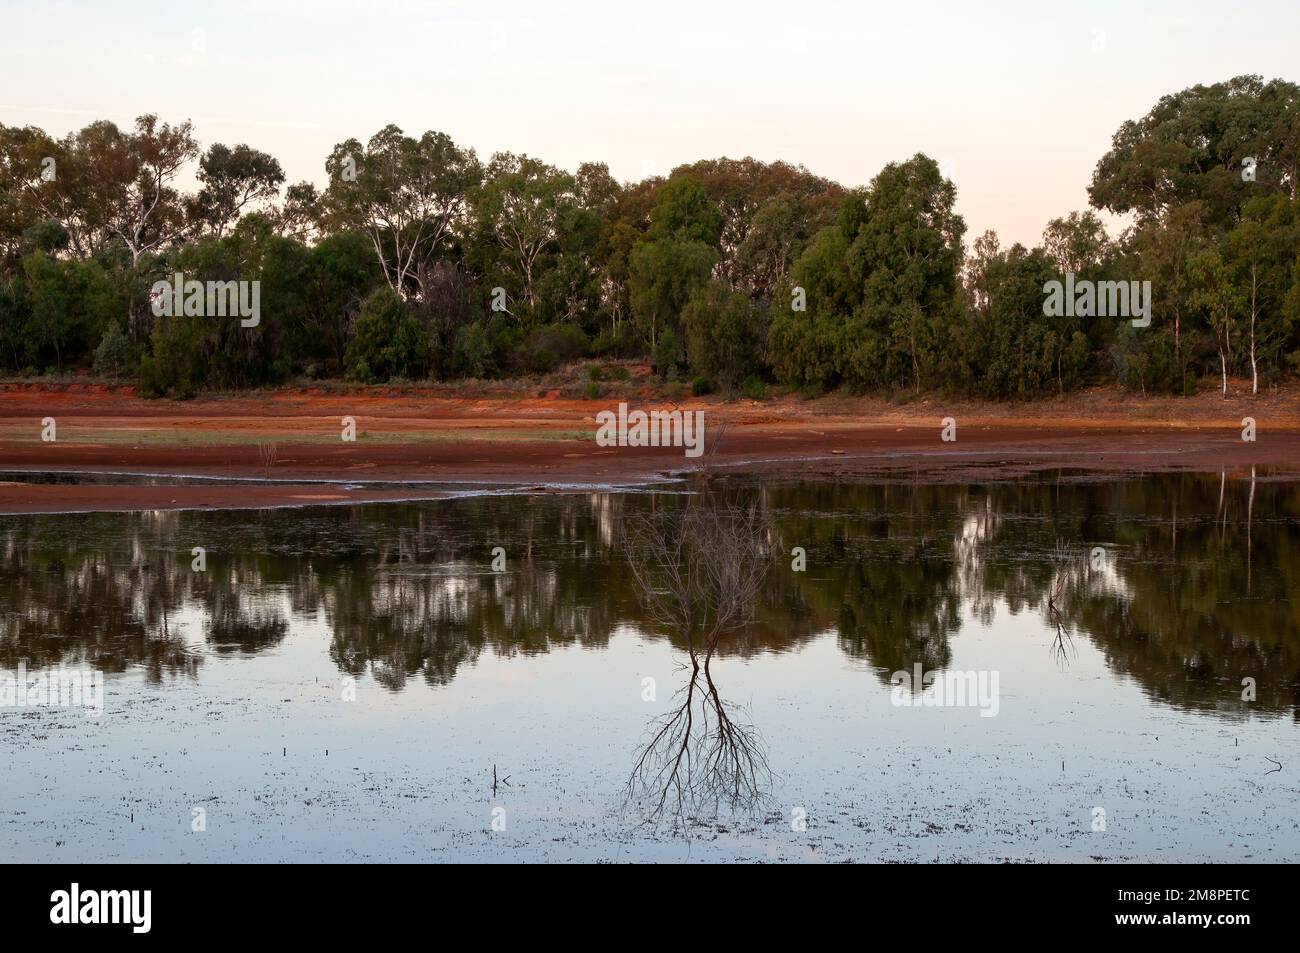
546, 444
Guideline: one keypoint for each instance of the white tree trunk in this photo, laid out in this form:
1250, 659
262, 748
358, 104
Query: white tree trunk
1254, 370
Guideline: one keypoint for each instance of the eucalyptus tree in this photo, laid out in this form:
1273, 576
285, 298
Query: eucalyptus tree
518, 212
410, 196
300, 214
1164, 250
673, 263
99, 183
22, 151
906, 255
739, 189
1263, 253
137, 172
1077, 243
1219, 145
1218, 301
232, 180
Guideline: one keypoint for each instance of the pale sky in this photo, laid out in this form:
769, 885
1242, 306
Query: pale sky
1017, 100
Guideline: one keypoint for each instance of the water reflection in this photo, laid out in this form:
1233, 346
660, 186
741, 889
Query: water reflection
700, 563
1192, 593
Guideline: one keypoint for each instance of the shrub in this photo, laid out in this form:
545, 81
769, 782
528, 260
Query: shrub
548, 347
471, 351
625, 343
723, 334
754, 388
668, 355
115, 355
388, 342
177, 365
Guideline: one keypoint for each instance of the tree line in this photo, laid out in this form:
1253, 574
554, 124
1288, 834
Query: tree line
420, 261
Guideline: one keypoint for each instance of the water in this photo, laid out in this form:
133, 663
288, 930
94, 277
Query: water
340, 683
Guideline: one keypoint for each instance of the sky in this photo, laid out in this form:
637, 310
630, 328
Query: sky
1016, 100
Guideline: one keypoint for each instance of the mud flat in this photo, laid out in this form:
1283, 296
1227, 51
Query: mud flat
548, 442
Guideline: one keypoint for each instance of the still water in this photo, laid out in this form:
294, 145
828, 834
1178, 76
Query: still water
346, 683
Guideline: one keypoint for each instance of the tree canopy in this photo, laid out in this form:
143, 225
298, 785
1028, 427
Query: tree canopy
727, 271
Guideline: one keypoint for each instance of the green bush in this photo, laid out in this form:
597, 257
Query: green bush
472, 351
115, 355
668, 356
625, 343
177, 365
754, 388
388, 343
546, 348
723, 334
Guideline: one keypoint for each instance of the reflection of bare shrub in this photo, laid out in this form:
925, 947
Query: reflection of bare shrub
267, 452
1062, 649
699, 759
700, 567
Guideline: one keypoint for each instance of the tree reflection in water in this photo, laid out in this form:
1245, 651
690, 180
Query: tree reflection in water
700, 563
1195, 592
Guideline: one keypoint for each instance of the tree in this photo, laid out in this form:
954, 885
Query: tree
665, 275
71, 304
811, 347
300, 215
232, 180
684, 212
723, 330
1261, 255
780, 230
975, 270
341, 273
595, 188
1214, 296
1193, 146
185, 353
22, 151
146, 211
739, 188
676, 259
1008, 347
700, 568
518, 209
907, 256
1164, 250
625, 221
74, 182
389, 342
408, 195
1077, 243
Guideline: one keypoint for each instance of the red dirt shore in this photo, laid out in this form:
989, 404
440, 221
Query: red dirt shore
547, 443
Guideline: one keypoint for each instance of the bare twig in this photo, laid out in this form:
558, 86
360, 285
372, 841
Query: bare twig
700, 568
